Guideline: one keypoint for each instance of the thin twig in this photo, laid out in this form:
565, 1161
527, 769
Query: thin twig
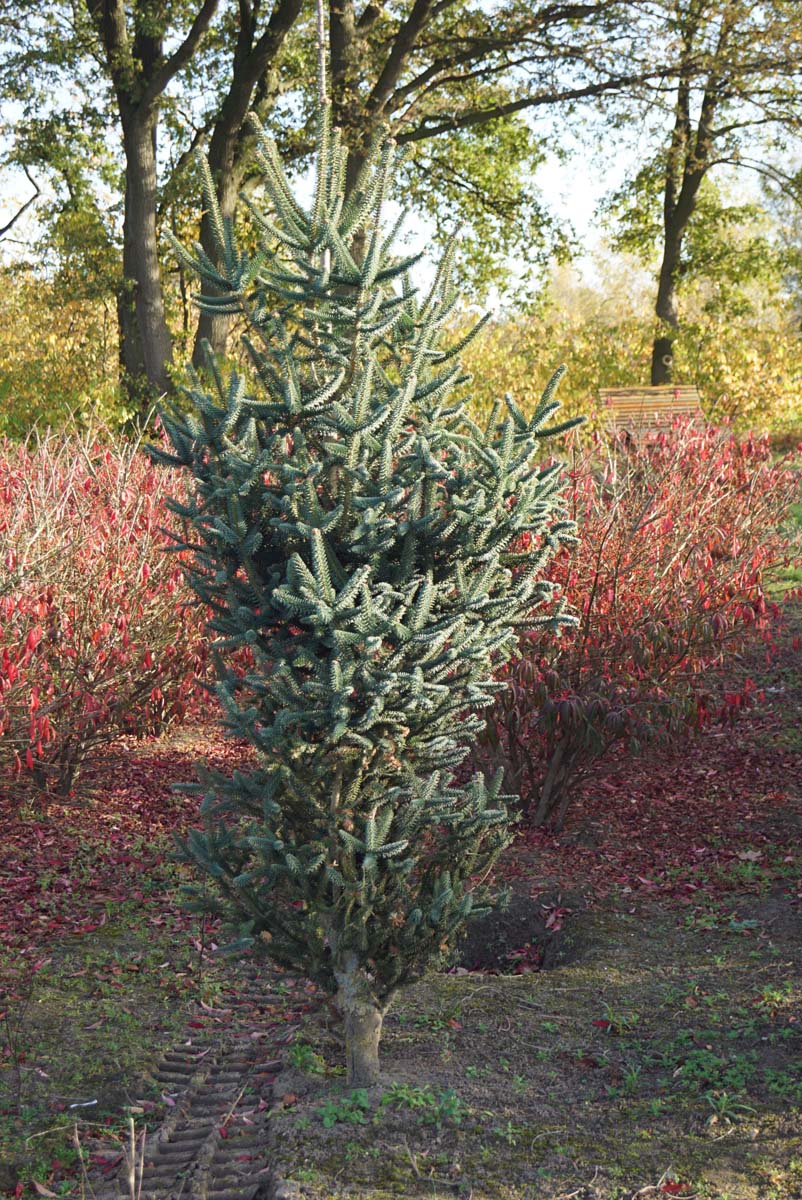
321, 54
582, 1190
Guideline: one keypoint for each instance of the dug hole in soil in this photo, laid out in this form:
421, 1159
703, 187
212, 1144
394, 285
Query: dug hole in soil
523, 933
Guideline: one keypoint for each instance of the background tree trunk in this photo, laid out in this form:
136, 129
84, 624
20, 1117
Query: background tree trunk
666, 308
145, 343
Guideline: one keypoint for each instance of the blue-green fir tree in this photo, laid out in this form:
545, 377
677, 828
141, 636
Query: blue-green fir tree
352, 526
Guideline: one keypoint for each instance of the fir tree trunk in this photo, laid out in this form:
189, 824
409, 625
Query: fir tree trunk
362, 1020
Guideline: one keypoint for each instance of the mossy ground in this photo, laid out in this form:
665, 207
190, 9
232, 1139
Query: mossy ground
81, 1028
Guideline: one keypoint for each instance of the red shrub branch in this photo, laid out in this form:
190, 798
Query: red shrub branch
679, 534
97, 634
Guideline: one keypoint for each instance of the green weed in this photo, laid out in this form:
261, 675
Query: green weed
349, 1110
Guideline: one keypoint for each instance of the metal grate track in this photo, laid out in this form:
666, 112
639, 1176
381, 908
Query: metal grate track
214, 1143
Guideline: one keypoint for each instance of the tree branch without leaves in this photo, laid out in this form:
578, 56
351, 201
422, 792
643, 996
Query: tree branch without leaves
479, 116
4, 229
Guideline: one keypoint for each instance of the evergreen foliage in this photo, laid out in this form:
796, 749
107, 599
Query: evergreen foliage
352, 527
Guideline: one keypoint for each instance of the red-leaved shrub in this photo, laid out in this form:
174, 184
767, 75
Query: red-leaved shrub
679, 534
98, 632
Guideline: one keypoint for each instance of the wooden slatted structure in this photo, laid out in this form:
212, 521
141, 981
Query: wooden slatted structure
642, 408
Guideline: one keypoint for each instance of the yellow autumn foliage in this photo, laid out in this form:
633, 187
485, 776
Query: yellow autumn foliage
747, 372
57, 356
60, 356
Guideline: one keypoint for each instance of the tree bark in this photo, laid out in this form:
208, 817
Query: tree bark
132, 52
362, 1020
214, 327
690, 156
666, 307
145, 343
551, 788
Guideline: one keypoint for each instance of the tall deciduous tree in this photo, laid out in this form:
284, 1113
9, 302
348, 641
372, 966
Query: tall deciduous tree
433, 70
732, 98
131, 46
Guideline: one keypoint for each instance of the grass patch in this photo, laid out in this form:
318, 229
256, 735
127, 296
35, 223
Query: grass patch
83, 1024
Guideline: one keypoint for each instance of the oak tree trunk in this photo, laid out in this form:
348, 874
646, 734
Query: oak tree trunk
145, 343
667, 307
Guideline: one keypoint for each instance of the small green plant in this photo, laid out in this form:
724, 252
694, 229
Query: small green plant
702, 921
784, 1084
433, 1109
745, 1029
508, 1133
618, 1022
703, 1071
303, 1057
448, 1107
438, 1022
477, 1072
348, 1110
736, 926
354, 1151
305, 1174
725, 1107
631, 1080
773, 998
403, 1095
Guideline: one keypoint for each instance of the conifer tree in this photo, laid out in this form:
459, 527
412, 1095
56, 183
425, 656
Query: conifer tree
352, 526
